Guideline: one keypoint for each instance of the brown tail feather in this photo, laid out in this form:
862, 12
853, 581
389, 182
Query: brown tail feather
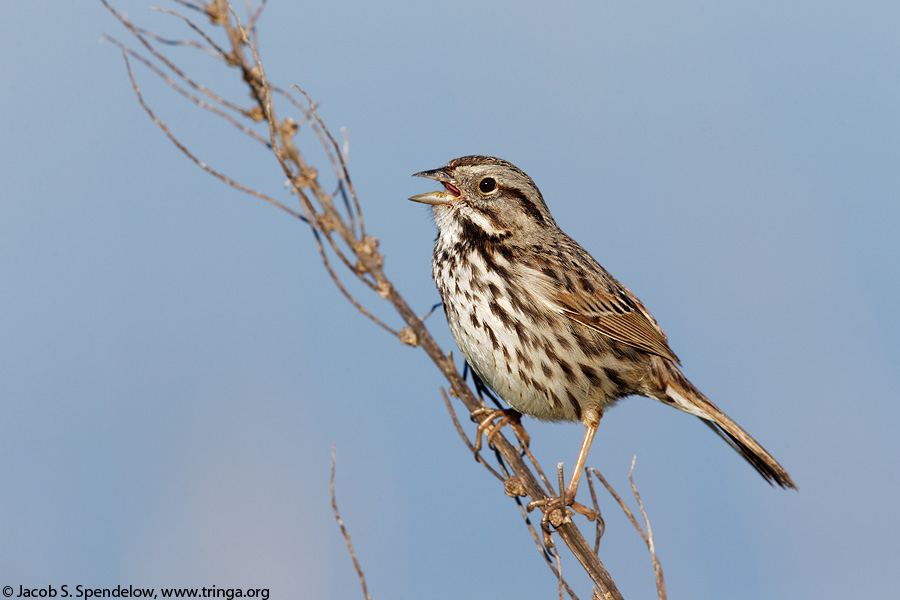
688, 398
756, 455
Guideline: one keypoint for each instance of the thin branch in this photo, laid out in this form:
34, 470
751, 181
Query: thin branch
621, 502
170, 42
195, 99
537, 467
196, 160
329, 219
337, 282
546, 555
601, 524
197, 30
338, 162
340, 522
255, 16
559, 573
648, 536
337, 149
290, 98
190, 5
465, 438
307, 177
160, 57
657, 567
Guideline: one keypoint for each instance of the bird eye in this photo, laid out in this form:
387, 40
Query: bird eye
487, 185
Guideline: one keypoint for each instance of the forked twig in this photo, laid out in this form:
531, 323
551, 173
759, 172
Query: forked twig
196, 160
169, 64
216, 50
648, 536
193, 98
340, 155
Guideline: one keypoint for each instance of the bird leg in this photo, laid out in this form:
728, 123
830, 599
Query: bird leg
567, 497
589, 432
485, 417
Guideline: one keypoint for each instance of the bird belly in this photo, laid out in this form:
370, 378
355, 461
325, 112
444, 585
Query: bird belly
522, 359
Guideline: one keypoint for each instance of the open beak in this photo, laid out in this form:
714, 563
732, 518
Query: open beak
450, 193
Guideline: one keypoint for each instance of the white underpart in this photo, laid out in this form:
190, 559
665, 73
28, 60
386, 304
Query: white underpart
475, 342
684, 404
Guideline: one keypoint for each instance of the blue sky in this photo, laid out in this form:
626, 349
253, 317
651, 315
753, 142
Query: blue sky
175, 363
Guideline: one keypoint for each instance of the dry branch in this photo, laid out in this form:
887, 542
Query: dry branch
338, 230
648, 536
340, 522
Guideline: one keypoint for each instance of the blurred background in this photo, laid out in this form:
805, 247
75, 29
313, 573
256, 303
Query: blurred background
175, 362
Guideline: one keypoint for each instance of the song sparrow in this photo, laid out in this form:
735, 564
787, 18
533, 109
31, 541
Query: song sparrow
541, 322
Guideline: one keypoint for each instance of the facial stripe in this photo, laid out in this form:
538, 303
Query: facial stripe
529, 207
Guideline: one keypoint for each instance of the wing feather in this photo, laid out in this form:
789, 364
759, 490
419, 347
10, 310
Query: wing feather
620, 317
610, 309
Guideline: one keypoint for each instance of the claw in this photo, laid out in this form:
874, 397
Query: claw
558, 509
487, 426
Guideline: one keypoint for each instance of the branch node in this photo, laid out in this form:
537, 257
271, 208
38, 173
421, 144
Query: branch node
217, 12
384, 289
306, 178
289, 127
326, 221
368, 247
254, 76
408, 336
513, 487
231, 58
256, 113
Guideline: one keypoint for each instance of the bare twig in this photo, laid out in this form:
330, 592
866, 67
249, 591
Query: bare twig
170, 42
648, 536
559, 573
195, 99
337, 149
621, 502
255, 16
329, 219
537, 467
169, 64
216, 50
348, 295
340, 522
196, 160
465, 438
657, 567
601, 524
190, 5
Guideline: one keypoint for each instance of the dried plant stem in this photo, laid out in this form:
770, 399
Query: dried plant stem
340, 522
196, 160
648, 536
657, 567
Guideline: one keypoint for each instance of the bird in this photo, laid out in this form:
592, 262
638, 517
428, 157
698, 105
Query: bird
541, 323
